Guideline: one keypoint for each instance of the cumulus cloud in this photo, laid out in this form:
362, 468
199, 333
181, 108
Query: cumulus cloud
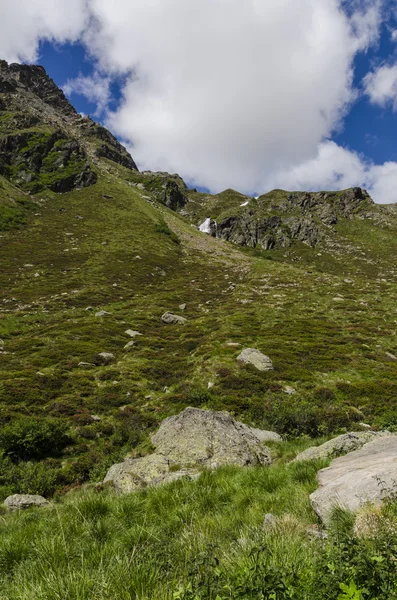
227, 91
96, 88
381, 86
24, 23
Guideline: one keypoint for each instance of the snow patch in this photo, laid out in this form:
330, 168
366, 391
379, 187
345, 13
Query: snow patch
205, 227
245, 203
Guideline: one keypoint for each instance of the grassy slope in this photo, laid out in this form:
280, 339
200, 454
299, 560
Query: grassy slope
327, 327
326, 319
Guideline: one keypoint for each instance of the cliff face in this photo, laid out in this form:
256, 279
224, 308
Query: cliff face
44, 142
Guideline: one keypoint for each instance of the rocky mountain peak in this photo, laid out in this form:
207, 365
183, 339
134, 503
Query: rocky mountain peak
35, 79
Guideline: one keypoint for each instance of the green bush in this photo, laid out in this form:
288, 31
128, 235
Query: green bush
31, 438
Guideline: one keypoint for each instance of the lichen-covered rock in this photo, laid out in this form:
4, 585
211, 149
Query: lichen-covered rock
172, 319
188, 442
253, 357
209, 439
347, 442
20, 501
148, 471
351, 481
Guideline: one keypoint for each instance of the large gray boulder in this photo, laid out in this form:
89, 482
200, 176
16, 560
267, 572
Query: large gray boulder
185, 444
257, 359
210, 439
365, 475
19, 501
347, 442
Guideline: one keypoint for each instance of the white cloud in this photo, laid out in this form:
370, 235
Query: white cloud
96, 88
229, 93
23, 23
381, 86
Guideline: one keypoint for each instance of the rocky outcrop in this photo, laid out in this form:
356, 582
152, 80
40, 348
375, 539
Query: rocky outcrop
34, 78
250, 356
347, 442
365, 475
167, 189
278, 219
35, 160
193, 440
20, 501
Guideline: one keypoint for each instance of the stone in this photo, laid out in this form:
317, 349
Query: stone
367, 475
208, 438
20, 501
102, 313
257, 359
96, 418
148, 471
132, 333
129, 345
182, 306
86, 365
185, 444
171, 319
269, 521
106, 358
347, 442
266, 436
289, 390
391, 356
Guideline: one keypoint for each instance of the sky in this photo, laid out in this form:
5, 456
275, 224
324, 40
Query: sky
244, 94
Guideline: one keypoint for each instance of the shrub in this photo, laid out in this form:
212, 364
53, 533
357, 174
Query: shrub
28, 438
162, 227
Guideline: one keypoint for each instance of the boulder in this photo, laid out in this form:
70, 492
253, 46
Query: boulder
210, 439
185, 444
105, 358
351, 481
19, 501
171, 319
148, 471
348, 442
257, 359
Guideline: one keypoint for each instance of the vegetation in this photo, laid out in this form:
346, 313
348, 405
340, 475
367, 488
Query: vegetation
199, 540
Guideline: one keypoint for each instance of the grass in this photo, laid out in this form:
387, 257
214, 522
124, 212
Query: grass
206, 539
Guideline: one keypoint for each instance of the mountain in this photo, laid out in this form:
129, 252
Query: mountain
93, 251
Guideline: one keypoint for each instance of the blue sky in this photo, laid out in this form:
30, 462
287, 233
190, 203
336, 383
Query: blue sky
250, 94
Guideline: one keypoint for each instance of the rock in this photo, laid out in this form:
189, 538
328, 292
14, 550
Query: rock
289, 390
269, 521
208, 438
105, 358
186, 443
129, 345
266, 436
95, 418
347, 442
19, 501
365, 475
151, 470
391, 356
132, 333
257, 359
171, 319
86, 365
182, 306
102, 313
